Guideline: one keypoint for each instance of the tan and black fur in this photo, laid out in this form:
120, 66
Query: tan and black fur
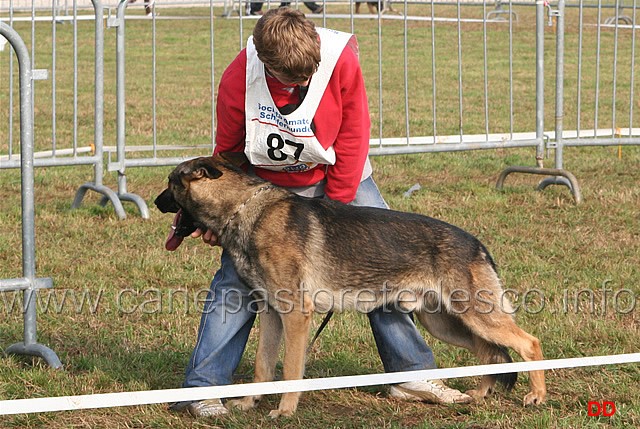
289, 248
372, 5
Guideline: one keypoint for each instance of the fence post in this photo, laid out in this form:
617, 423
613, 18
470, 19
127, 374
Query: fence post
559, 175
123, 194
96, 185
29, 284
563, 177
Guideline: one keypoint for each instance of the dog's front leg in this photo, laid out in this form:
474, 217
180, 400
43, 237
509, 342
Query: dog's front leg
296, 326
270, 334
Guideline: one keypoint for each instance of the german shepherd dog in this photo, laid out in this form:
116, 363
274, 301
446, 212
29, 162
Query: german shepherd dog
304, 254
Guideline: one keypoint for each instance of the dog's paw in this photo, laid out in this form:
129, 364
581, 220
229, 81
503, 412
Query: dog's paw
477, 395
245, 404
274, 414
533, 398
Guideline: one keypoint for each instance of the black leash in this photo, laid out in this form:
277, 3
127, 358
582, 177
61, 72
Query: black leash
323, 325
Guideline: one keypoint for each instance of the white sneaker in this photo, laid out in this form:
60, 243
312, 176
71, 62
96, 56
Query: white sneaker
433, 391
207, 408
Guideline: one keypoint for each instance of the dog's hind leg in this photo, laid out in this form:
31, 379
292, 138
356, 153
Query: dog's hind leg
489, 353
451, 329
489, 315
529, 348
498, 327
296, 326
270, 335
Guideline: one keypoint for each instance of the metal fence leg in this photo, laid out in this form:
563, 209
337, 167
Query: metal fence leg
498, 13
563, 177
123, 194
108, 196
559, 175
29, 283
619, 16
97, 185
30, 346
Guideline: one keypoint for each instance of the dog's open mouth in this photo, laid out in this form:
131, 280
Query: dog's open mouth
181, 227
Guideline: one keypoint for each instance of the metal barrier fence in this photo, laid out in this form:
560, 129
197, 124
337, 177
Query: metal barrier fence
421, 129
51, 153
441, 77
29, 283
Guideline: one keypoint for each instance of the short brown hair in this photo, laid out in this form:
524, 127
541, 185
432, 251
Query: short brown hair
287, 43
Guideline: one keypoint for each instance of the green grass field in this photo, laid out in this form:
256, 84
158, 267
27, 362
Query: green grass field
137, 326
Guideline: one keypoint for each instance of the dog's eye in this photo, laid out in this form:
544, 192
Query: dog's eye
175, 181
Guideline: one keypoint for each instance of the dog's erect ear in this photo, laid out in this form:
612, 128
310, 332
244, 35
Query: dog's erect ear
194, 170
237, 159
205, 170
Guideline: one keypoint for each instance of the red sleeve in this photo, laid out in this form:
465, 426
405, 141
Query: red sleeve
352, 141
230, 119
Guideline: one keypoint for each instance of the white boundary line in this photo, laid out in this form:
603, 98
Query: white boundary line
106, 400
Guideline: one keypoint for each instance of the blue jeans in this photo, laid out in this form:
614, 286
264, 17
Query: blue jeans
229, 313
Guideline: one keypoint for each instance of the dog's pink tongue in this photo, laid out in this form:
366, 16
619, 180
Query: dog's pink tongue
174, 240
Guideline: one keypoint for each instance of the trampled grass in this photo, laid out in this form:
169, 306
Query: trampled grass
124, 312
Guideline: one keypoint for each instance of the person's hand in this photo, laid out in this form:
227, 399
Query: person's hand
207, 236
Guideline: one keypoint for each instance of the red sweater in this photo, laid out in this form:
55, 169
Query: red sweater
342, 120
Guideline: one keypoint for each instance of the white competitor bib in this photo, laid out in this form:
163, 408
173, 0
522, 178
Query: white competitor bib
286, 142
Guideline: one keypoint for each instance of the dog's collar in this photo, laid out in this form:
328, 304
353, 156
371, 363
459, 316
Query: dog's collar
243, 205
